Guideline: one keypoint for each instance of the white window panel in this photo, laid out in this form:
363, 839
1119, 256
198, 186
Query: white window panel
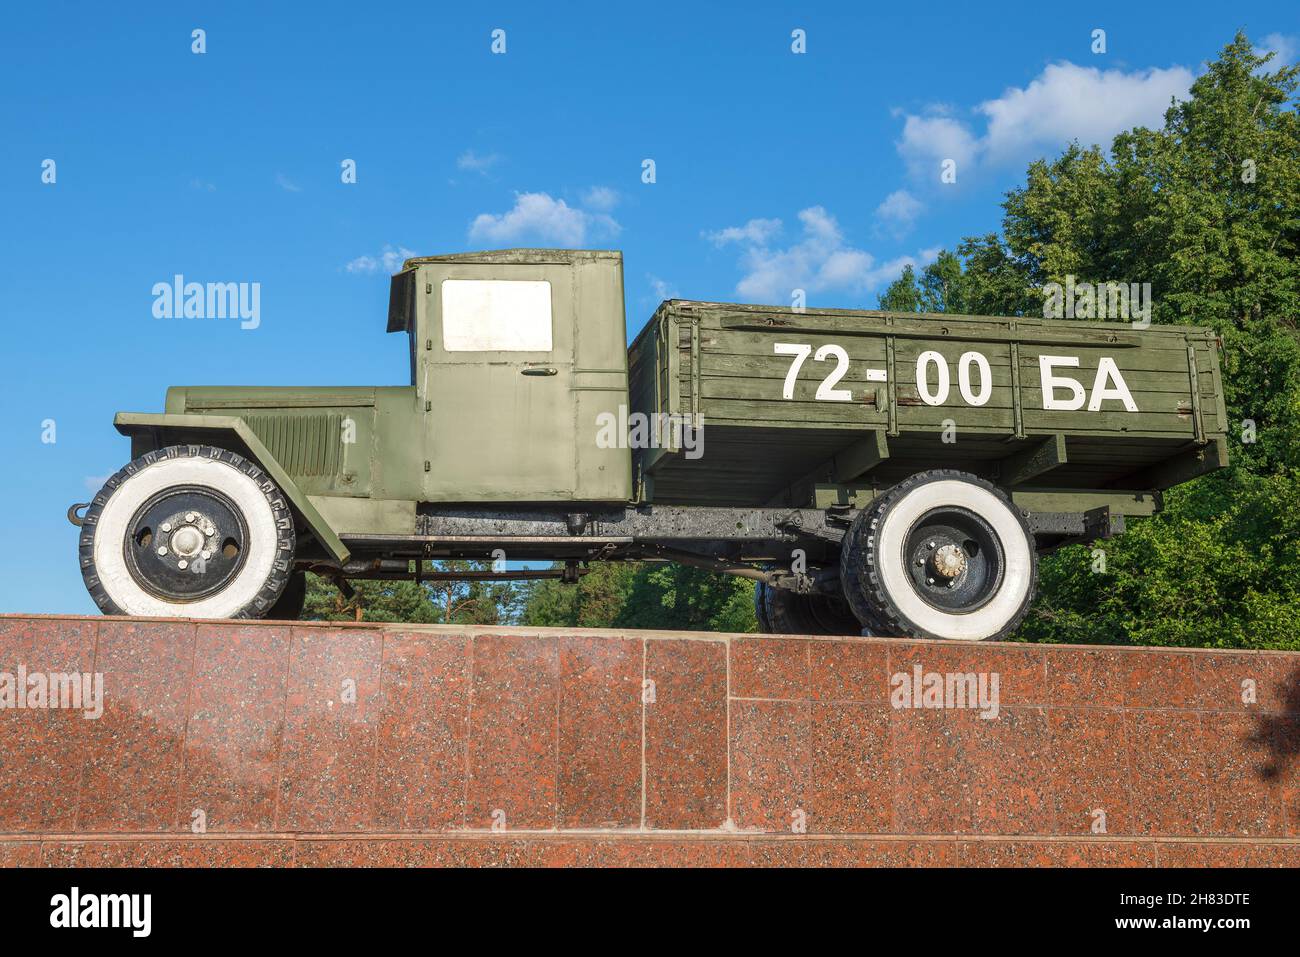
496, 315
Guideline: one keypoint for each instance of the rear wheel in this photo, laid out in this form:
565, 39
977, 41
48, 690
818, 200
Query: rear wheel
188, 531
942, 554
788, 612
784, 612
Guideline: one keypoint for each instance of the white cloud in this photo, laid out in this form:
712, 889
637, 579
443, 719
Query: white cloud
754, 231
1072, 102
1063, 103
929, 140
600, 198
661, 289
1281, 44
389, 261
540, 216
819, 261
469, 160
203, 185
94, 483
899, 210
287, 184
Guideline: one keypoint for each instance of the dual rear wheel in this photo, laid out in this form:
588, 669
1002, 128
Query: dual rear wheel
943, 555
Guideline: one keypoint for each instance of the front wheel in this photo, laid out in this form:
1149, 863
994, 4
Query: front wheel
188, 531
942, 554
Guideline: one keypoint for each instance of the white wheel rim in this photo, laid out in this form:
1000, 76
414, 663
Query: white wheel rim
111, 530
993, 615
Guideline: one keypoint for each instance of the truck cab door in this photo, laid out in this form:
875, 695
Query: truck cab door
495, 377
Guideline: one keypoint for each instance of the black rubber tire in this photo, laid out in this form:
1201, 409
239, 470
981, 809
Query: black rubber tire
861, 561
783, 612
790, 613
288, 607
834, 615
851, 557
760, 608
266, 592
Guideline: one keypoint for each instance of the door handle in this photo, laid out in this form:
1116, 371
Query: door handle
539, 371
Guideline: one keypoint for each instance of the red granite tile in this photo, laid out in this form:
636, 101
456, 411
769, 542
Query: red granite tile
413, 852
1282, 732
1163, 679
1251, 681
327, 762
1245, 796
770, 763
851, 785
135, 758
1228, 854
178, 852
638, 852
235, 728
600, 732
42, 750
1011, 774
1019, 670
1072, 853
849, 671
513, 759
1169, 785
929, 769
1094, 678
20, 854
771, 851
423, 732
769, 667
1090, 771
877, 853
686, 734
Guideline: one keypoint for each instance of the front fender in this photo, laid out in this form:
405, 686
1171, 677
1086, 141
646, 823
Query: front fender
149, 430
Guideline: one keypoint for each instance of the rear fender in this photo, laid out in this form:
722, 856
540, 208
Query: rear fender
149, 431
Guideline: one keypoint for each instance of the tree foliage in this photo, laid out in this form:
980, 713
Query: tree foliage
445, 602
645, 595
1207, 210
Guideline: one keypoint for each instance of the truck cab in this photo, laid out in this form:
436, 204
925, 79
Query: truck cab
515, 356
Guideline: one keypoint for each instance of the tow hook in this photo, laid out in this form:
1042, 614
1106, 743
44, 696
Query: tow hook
73, 517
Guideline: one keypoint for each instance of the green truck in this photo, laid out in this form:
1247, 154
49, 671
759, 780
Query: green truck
871, 472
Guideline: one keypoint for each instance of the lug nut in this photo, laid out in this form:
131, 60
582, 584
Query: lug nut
162, 550
182, 563
189, 516
166, 526
929, 544
206, 555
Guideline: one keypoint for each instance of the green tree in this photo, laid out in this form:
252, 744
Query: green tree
1206, 209
903, 294
445, 602
644, 595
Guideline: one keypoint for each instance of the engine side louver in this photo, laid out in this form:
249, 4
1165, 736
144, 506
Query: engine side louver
302, 444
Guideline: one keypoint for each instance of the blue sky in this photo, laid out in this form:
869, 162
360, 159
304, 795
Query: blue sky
774, 170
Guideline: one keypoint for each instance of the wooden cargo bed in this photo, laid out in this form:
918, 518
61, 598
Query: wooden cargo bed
1152, 417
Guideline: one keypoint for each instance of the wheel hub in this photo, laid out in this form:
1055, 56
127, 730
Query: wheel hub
955, 559
948, 561
185, 543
